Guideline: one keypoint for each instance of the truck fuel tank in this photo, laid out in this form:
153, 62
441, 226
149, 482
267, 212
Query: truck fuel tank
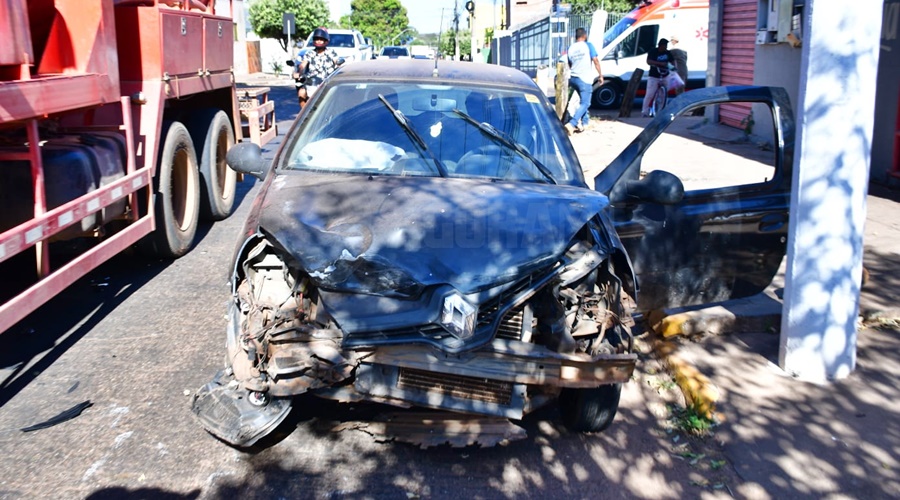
74, 165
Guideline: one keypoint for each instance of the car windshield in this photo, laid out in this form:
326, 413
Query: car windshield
431, 130
616, 30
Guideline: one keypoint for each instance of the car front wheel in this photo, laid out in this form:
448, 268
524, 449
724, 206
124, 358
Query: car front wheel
589, 410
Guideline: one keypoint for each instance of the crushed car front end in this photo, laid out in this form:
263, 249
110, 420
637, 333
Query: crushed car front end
423, 284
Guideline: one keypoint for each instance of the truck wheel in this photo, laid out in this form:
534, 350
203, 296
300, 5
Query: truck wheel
213, 136
589, 410
607, 96
176, 195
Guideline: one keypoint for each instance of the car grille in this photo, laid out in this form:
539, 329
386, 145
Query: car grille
511, 326
488, 311
475, 389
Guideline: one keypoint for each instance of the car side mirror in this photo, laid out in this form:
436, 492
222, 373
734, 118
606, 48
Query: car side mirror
246, 158
340, 61
658, 186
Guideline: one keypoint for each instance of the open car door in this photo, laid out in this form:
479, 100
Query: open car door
702, 208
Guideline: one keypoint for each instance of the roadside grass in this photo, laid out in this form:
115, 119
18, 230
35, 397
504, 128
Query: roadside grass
687, 420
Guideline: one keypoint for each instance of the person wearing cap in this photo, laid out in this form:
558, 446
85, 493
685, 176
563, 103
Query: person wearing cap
660, 60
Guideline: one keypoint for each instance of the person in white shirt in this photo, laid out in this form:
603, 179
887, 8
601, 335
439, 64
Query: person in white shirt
582, 56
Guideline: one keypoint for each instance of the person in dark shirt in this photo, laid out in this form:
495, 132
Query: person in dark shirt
662, 68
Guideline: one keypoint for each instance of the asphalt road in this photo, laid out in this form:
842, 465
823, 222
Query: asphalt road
137, 338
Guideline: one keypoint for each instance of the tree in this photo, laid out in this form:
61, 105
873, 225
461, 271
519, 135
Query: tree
266, 18
384, 21
448, 43
589, 6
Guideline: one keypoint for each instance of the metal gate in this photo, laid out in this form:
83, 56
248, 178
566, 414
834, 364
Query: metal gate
737, 55
542, 42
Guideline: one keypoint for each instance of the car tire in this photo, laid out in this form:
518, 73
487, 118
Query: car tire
589, 410
176, 193
607, 96
213, 136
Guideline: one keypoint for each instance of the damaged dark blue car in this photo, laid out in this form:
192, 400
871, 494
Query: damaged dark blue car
425, 237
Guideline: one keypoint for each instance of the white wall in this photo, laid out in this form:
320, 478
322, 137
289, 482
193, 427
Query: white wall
270, 51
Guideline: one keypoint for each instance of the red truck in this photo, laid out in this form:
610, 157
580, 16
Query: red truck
115, 118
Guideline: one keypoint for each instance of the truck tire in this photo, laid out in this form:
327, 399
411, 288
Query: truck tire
176, 195
213, 136
589, 410
608, 95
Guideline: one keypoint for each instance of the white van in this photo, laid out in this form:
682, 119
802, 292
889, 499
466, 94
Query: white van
625, 45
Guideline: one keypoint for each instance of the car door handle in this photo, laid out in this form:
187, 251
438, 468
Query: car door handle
773, 222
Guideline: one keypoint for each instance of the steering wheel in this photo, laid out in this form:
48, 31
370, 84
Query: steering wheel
477, 161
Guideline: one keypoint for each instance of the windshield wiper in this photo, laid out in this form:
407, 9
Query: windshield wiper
417, 139
490, 131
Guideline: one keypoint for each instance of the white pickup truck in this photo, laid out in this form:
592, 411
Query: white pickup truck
349, 44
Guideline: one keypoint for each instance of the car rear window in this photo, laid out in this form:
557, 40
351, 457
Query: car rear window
394, 51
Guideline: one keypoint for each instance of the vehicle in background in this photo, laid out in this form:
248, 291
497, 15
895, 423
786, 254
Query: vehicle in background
425, 237
349, 44
392, 52
113, 134
421, 52
625, 45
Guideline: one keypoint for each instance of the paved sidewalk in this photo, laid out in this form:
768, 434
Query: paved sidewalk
786, 438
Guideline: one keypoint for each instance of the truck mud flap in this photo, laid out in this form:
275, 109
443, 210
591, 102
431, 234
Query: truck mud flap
225, 411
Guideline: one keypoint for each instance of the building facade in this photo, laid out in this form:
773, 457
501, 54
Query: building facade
759, 42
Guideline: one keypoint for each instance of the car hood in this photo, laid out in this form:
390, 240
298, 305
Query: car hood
395, 235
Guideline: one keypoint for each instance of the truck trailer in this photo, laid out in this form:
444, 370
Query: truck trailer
115, 118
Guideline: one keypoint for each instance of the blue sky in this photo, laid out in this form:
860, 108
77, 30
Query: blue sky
424, 15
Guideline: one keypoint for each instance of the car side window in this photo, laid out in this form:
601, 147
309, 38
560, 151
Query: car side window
717, 147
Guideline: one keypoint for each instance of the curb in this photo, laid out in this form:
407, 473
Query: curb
699, 392
757, 314
750, 315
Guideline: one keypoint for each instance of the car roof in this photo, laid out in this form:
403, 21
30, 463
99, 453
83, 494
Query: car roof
418, 69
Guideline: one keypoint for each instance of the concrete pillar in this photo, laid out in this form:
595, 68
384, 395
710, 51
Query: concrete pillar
828, 203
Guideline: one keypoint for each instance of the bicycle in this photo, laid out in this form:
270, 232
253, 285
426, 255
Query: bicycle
661, 97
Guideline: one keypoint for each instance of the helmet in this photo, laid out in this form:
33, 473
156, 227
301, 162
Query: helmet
321, 33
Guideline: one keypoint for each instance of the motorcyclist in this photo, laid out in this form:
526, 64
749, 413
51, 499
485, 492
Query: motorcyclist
315, 65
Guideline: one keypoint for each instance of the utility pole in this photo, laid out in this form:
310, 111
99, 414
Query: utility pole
456, 29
